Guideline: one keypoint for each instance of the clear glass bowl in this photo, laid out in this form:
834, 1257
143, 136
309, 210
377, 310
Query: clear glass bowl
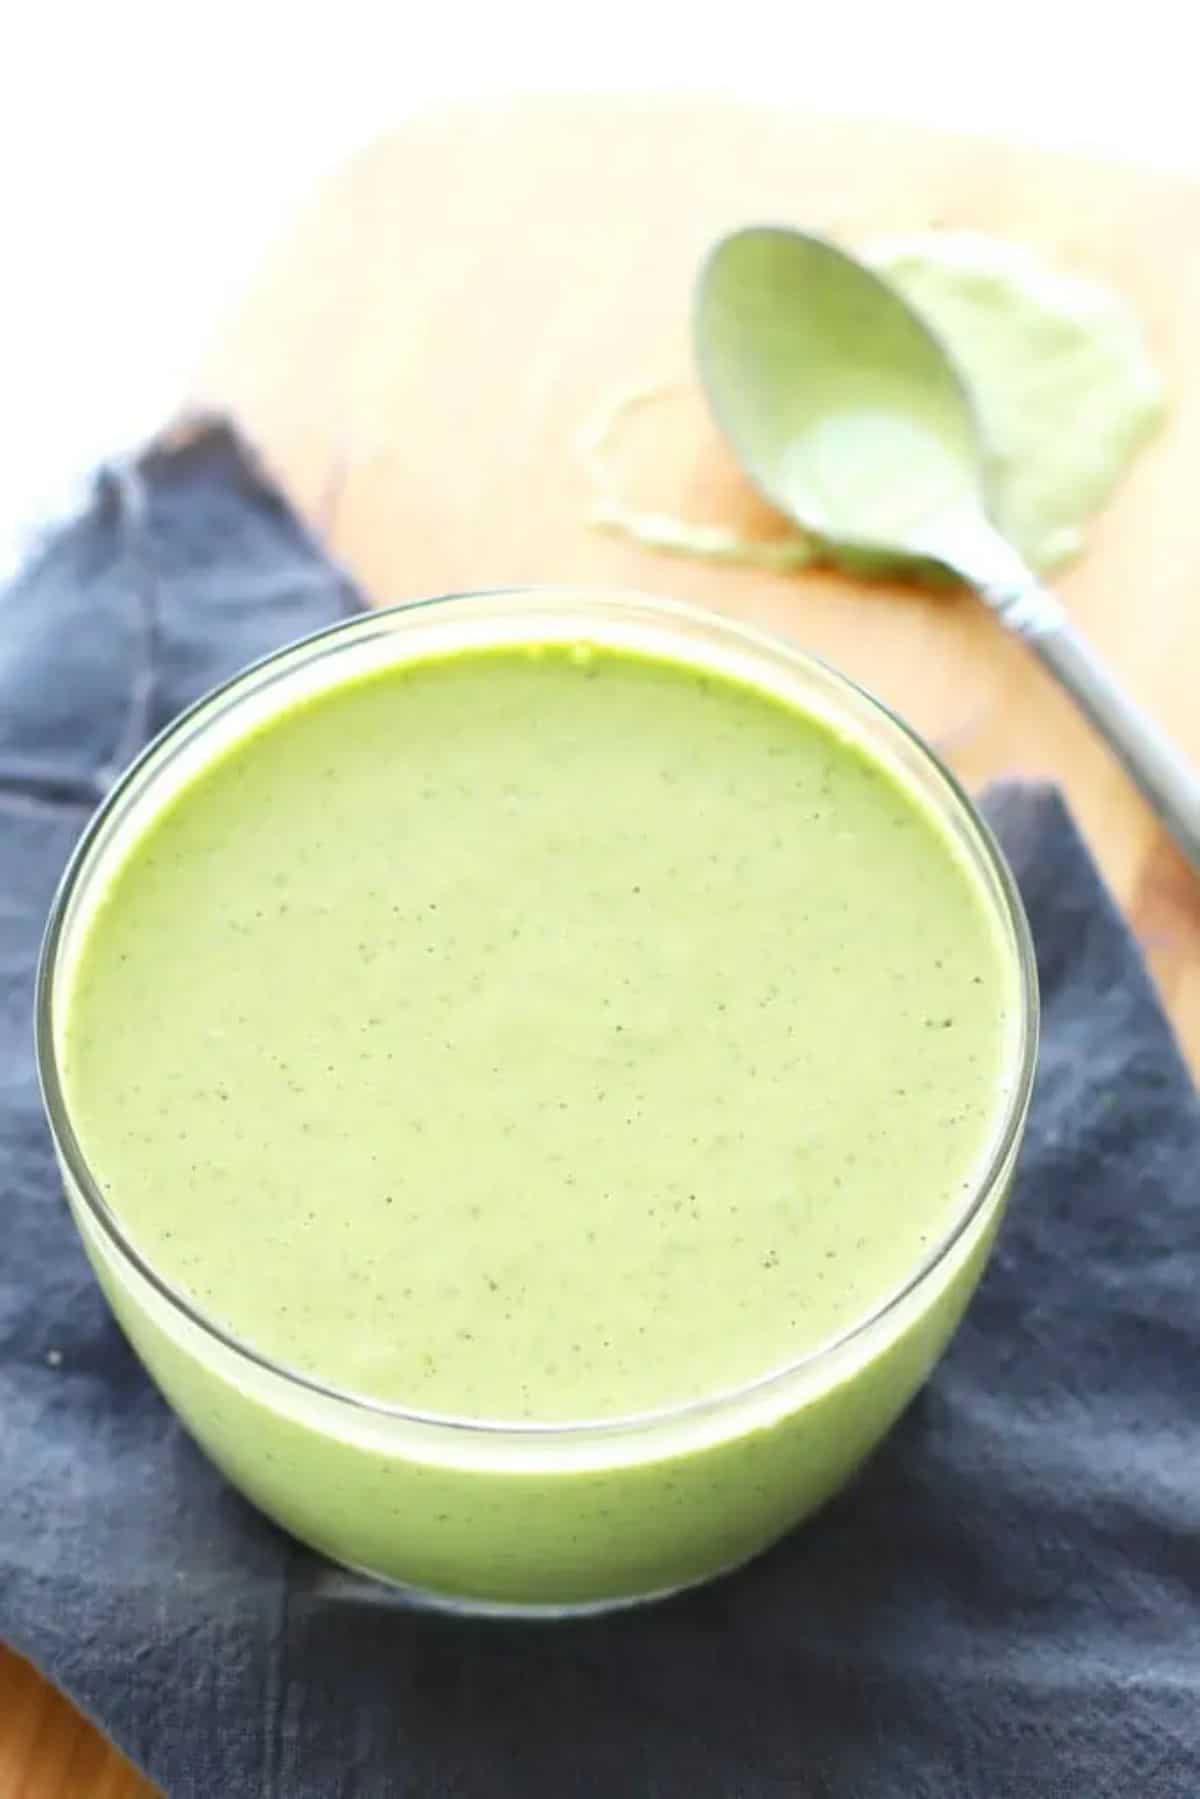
559, 1518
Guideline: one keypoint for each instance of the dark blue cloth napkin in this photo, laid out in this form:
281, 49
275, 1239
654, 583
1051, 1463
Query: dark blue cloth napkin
1007, 1601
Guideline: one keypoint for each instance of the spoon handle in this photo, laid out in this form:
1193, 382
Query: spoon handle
1169, 781
1164, 774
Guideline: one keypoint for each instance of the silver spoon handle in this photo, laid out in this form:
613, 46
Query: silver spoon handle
1169, 781
1164, 774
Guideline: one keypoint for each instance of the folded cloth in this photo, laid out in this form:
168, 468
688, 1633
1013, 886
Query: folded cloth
1007, 1600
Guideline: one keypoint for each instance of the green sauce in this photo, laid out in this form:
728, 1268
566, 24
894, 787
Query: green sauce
1059, 371
533, 1035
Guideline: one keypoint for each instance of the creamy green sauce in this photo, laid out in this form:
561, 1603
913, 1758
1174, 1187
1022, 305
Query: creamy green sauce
539, 1035
1060, 374
1059, 370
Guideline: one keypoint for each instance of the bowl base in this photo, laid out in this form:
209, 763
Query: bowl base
379, 1589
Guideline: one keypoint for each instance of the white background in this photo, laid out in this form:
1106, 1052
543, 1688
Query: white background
148, 153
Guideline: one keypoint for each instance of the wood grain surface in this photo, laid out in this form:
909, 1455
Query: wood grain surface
418, 358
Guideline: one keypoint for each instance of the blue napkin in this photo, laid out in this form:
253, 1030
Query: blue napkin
1006, 1603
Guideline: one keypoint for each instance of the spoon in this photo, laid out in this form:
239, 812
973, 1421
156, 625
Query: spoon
847, 413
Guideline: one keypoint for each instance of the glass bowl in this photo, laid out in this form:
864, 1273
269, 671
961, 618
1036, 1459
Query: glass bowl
488, 1515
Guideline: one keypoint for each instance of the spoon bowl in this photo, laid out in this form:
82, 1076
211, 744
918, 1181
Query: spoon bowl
840, 403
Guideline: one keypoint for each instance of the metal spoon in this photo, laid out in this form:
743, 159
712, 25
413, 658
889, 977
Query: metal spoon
848, 414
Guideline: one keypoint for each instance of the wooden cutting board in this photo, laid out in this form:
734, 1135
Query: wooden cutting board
417, 361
